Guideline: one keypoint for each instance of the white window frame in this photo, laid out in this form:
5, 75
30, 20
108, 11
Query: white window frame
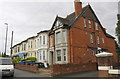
103, 41
40, 55
64, 36
98, 39
43, 54
58, 37
64, 55
40, 40
91, 38
59, 55
43, 40
85, 23
89, 23
96, 26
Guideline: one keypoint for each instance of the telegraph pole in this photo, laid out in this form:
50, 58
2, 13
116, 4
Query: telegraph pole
6, 37
11, 44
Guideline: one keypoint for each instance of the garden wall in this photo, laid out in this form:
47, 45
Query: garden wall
59, 69
32, 68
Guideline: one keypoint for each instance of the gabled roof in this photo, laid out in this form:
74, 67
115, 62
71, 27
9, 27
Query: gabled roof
87, 12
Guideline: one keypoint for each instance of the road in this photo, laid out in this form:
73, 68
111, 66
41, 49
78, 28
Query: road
21, 73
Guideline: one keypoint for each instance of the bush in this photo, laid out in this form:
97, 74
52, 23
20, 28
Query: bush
16, 60
32, 58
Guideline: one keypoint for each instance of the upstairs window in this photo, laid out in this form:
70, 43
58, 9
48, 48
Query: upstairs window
98, 39
31, 44
24, 47
85, 23
89, 23
64, 36
40, 40
58, 37
43, 40
91, 38
96, 26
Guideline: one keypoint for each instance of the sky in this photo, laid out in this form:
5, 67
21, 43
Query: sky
28, 17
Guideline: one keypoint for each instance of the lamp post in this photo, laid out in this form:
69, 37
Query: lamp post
6, 37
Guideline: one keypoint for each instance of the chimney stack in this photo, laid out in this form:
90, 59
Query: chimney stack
78, 7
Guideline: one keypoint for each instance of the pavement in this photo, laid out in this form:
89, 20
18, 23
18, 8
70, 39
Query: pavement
82, 74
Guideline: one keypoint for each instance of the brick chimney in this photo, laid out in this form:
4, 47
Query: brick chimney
78, 7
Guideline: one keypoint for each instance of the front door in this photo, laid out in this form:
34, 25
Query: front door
51, 57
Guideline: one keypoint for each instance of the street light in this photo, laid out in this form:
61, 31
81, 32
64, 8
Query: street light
6, 37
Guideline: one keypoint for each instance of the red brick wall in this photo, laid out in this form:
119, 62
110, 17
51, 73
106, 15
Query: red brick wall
59, 69
32, 68
80, 40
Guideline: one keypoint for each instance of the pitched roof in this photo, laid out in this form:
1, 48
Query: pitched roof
87, 12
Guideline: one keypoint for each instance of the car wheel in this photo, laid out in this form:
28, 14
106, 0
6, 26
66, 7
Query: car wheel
12, 75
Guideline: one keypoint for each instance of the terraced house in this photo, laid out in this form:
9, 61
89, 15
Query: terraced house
74, 39
36, 46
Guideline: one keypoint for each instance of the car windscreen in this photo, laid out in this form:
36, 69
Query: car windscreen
6, 62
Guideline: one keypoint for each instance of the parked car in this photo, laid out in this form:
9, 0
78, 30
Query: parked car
6, 67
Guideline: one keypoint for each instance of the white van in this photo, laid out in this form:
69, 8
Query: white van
6, 67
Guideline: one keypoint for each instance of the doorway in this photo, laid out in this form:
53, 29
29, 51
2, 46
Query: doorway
51, 57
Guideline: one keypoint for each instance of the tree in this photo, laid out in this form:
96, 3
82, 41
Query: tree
118, 29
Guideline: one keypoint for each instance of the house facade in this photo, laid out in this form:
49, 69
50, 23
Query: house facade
74, 39
78, 37
42, 46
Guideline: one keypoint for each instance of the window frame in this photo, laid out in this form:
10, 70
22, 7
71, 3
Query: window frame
59, 56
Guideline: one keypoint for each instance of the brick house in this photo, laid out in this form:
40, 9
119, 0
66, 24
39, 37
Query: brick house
78, 37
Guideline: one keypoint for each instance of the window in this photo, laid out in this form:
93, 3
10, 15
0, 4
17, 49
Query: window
18, 49
35, 43
43, 40
40, 40
24, 47
43, 55
84, 22
64, 36
31, 44
28, 44
93, 53
98, 39
89, 23
50, 41
58, 55
40, 55
103, 40
58, 37
96, 26
64, 54
91, 38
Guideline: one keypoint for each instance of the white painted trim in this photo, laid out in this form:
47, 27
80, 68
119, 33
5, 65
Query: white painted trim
104, 67
114, 71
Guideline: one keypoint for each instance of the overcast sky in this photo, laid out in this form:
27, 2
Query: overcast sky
26, 18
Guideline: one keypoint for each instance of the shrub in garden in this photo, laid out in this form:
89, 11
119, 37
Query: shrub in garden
32, 58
